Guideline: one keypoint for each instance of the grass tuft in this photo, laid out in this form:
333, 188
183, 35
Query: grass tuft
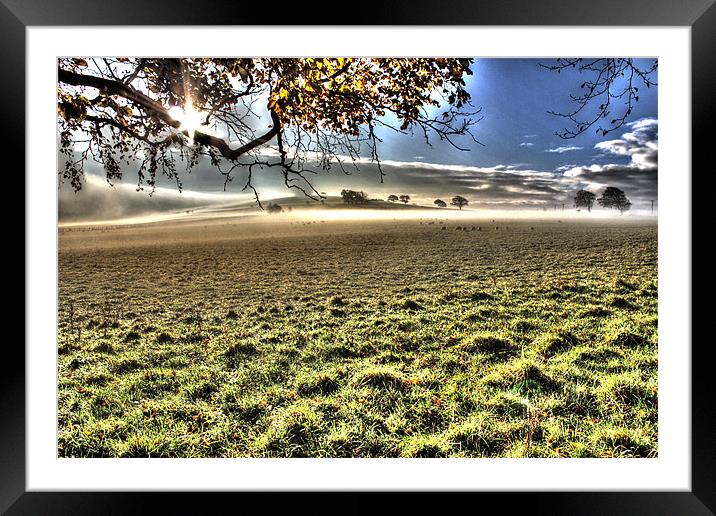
336, 301
618, 302
486, 342
410, 304
380, 377
164, 338
556, 340
132, 336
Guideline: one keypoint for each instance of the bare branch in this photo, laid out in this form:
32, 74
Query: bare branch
610, 80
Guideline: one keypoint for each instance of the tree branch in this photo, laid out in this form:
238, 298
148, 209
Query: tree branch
155, 108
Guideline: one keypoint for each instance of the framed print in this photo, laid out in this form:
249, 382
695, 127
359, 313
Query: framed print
284, 258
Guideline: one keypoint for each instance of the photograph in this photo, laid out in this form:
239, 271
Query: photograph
357, 257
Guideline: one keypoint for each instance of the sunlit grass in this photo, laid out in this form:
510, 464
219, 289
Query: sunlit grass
355, 340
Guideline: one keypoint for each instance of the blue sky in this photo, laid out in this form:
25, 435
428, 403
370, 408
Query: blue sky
515, 96
522, 165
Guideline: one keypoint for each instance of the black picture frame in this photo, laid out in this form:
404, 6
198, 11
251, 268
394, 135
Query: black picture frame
699, 15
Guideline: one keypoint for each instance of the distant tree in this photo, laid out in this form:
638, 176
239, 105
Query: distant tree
354, 197
404, 199
392, 197
614, 198
439, 203
459, 201
584, 199
274, 208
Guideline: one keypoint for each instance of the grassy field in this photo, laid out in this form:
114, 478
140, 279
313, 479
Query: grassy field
280, 338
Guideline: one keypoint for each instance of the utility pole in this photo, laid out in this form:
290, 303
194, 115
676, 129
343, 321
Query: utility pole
652, 206
563, 207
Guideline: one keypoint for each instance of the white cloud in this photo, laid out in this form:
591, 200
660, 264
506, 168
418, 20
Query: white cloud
567, 148
564, 168
640, 144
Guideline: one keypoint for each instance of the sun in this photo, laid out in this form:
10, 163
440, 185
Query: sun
189, 117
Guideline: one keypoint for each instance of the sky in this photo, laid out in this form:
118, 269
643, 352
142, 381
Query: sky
521, 165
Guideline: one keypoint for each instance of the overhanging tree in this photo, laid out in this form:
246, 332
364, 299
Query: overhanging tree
251, 113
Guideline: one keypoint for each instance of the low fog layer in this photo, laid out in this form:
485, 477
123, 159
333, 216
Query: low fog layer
629, 163
100, 202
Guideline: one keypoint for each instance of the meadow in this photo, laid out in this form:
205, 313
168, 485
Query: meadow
282, 337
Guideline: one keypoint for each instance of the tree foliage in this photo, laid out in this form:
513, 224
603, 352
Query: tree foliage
354, 197
614, 198
584, 199
459, 201
439, 203
392, 197
251, 113
405, 199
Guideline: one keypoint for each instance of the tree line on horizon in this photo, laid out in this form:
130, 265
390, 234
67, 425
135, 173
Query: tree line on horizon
612, 198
